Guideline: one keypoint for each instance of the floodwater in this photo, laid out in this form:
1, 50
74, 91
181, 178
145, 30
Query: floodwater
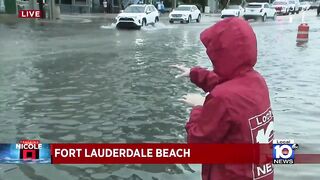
85, 81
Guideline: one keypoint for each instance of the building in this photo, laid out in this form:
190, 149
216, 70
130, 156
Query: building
74, 6
96, 6
89, 6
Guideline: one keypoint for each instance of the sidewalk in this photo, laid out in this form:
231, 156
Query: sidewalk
212, 14
12, 18
9, 18
112, 16
88, 15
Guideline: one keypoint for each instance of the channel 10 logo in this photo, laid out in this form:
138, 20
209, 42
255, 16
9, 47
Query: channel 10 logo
283, 151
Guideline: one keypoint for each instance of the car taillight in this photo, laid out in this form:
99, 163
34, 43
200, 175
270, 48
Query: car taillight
261, 10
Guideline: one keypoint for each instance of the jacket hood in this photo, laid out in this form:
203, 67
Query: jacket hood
231, 46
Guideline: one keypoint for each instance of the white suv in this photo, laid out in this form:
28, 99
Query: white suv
185, 13
137, 16
259, 10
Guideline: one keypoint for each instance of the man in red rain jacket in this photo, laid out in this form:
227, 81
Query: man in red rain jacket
237, 107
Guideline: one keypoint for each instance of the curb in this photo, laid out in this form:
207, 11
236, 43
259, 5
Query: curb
90, 16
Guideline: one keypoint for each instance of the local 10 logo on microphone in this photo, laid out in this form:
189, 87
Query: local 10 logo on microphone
283, 151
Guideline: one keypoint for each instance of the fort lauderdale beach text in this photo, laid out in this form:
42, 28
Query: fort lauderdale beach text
125, 152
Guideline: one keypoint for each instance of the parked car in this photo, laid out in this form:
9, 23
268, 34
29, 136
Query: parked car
232, 10
137, 15
315, 5
185, 14
281, 7
259, 10
294, 6
305, 5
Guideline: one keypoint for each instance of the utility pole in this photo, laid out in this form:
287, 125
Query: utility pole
31, 4
2, 6
43, 15
174, 4
51, 8
32, 7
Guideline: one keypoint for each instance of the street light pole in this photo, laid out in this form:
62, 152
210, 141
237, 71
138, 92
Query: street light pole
51, 7
41, 9
31, 4
174, 4
32, 7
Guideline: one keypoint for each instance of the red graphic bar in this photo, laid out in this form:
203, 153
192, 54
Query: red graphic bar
161, 153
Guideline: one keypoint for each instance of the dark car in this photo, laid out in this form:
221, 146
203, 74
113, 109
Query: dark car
315, 5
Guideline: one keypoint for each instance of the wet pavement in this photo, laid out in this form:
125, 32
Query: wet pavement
82, 80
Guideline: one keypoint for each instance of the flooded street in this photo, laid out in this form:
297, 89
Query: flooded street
85, 81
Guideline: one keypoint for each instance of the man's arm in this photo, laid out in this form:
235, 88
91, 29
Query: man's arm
208, 123
204, 78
